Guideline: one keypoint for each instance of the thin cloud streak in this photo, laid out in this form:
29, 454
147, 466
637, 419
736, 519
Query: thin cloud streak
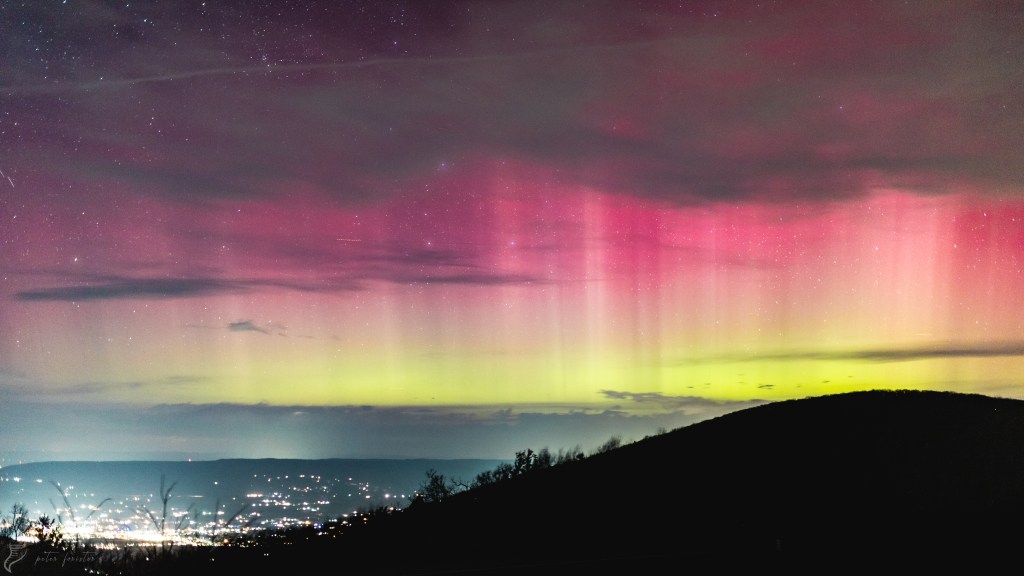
301, 431
164, 288
906, 354
24, 389
277, 68
153, 288
246, 326
771, 118
685, 403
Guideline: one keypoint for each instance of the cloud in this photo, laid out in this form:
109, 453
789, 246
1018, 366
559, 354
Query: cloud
690, 403
895, 354
93, 431
146, 288
11, 373
250, 326
112, 287
246, 326
162, 288
470, 279
345, 270
28, 388
815, 103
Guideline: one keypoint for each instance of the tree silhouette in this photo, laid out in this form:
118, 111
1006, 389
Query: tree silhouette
49, 532
18, 524
436, 487
526, 461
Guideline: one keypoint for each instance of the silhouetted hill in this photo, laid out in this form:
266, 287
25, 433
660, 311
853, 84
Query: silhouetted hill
846, 478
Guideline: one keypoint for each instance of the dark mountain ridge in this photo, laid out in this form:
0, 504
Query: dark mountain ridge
859, 475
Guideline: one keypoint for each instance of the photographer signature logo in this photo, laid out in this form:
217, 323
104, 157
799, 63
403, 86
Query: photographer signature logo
16, 552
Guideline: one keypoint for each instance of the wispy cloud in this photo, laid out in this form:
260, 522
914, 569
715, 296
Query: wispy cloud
25, 387
686, 403
414, 431
250, 326
260, 430
108, 287
11, 373
470, 279
777, 113
133, 288
392, 265
893, 354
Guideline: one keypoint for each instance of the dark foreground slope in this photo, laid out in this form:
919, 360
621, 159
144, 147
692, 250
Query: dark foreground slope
854, 476
824, 482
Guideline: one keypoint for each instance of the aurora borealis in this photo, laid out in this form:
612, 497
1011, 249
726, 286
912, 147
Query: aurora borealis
460, 228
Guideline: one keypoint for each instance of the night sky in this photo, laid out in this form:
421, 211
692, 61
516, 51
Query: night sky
458, 229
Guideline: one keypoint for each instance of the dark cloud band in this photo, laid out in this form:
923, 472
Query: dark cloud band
895, 354
141, 288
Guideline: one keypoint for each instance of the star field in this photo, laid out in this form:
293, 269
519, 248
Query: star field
411, 228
